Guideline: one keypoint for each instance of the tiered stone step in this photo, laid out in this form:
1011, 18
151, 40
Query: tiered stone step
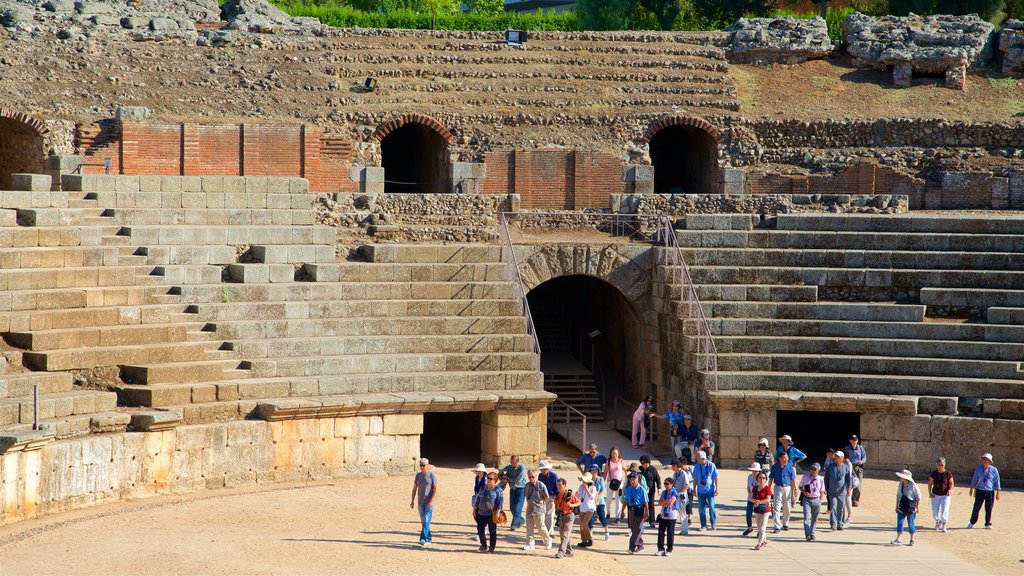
862, 347
64, 411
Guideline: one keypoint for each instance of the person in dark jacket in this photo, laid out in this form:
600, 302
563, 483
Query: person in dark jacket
650, 474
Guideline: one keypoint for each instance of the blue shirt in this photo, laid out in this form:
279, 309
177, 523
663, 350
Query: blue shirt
857, 455
705, 476
675, 419
488, 501
669, 512
783, 475
838, 479
478, 483
688, 434
985, 479
634, 496
550, 481
599, 484
794, 453
586, 460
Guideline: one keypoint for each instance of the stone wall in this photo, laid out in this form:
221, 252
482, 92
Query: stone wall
889, 132
1011, 45
784, 40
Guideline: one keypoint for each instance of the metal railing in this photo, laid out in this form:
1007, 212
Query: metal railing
508, 255
623, 410
566, 429
674, 262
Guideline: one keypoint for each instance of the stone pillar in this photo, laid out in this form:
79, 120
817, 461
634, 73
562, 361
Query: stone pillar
956, 76
468, 177
902, 73
639, 179
58, 165
504, 433
369, 178
734, 181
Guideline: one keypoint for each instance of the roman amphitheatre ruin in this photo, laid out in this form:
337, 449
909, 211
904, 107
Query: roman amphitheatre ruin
228, 259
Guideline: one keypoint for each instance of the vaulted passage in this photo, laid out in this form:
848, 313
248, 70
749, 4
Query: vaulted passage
685, 161
415, 160
590, 342
451, 437
21, 150
816, 432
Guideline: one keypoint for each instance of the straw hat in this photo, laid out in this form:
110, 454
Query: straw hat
987, 456
480, 468
906, 475
763, 441
634, 467
755, 467
544, 465
587, 478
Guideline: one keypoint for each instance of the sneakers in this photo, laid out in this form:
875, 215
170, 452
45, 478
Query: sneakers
491, 550
784, 528
549, 544
668, 553
714, 527
759, 545
748, 531
659, 553
808, 538
559, 554
911, 543
528, 546
897, 542
775, 530
969, 526
840, 527
607, 536
632, 550
988, 526
813, 537
483, 549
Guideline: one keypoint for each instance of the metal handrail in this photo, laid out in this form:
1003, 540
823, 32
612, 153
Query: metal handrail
706, 348
569, 410
630, 409
508, 255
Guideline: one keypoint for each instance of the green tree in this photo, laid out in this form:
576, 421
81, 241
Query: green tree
605, 14
487, 7
724, 12
985, 8
666, 11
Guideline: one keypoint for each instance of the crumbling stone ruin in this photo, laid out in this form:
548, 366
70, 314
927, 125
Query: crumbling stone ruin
1011, 45
784, 40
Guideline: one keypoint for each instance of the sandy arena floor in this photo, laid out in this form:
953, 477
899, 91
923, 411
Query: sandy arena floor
365, 526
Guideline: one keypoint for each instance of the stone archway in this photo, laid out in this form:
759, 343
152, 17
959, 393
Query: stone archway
684, 153
22, 145
414, 155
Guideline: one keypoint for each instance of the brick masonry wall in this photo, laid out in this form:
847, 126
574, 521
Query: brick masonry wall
555, 179
20, 151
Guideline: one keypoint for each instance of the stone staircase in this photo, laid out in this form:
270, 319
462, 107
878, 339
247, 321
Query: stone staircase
907, 305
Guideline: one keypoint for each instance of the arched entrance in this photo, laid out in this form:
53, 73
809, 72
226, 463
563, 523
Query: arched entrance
414, 155
590, 339
22, 147
684, 153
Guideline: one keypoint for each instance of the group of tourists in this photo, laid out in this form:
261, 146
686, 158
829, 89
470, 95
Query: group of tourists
610, 491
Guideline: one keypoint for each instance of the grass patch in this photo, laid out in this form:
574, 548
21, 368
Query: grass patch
824, 82
1002, 83
746, 85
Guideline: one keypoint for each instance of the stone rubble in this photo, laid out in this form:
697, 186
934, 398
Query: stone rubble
785, 40
1011, 44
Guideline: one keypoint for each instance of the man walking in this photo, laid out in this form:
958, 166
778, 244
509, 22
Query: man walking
653, 480
635, 497
705, 477
424, 487
838, 485
536, 495
858, 458
985, 488
514, 476
550, 480
565, 501
783, 492
590, 458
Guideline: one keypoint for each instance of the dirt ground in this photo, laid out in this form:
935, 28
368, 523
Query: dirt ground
823, 89
365, 526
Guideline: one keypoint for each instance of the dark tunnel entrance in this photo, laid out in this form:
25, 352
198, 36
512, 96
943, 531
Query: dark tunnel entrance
590, 341
685, 161
415, 160
815, 432
22, 150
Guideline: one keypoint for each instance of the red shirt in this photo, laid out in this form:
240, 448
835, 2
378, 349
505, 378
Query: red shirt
763, 494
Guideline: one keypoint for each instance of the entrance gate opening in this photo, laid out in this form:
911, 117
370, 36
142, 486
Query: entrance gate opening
451, 438
590, 342
815, 432
22, 150
415, 160
685, 160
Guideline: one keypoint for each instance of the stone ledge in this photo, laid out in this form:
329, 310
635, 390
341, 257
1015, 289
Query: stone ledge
24, 441
411, 403
156, 421
821, 401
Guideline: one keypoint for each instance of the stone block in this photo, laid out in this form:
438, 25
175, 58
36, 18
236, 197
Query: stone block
762, 423
937, 405
31, 182
403, 424
1008, 433
728, 448
732, 423
278, 186
895, 453
131, 113
191, 183
126, 184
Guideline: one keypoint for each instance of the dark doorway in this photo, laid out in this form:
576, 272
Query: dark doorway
816, 432
451, 438
22, 150
415, 160
685, 161
590, 342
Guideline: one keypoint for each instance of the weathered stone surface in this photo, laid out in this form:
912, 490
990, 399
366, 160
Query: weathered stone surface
1011, 44
782, 40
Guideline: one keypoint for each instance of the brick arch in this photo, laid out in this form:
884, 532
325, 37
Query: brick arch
680, 120
396, 123
35, 124
623, 268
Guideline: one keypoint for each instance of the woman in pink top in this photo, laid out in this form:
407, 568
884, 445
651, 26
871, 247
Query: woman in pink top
641, 418
614, 477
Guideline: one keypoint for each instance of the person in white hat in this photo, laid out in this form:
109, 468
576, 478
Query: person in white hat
838, 486
940, 487
985, 488
762, 455
908, 500
550, 480
705, 478
754, 469
796, 456
587, 493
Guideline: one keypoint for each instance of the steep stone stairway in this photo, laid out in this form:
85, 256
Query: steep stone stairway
905, 305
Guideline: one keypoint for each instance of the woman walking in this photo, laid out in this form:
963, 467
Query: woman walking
667, 518
641, 418
489, 500
614, 476
762, 495
940, 487
587, 494
812, 488
908, 498
754, 469
985, 487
